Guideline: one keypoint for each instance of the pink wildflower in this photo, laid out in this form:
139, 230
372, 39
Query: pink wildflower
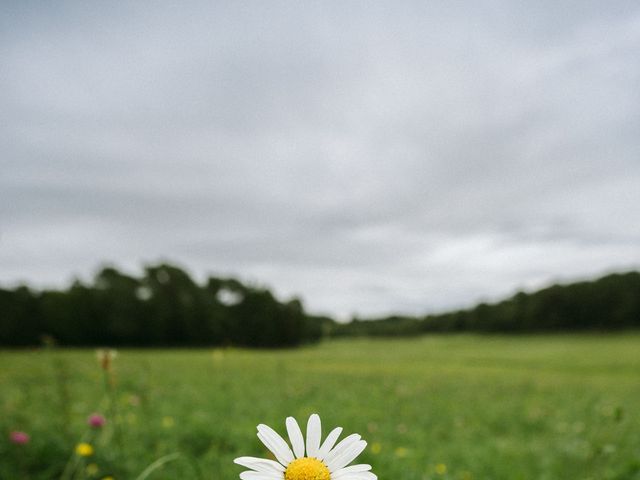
19, 438
96, 420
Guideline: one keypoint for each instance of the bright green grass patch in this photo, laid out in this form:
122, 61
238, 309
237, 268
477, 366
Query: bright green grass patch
442, 407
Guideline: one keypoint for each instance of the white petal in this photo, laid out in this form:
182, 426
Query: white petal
348, 456
261, 476
259, 464
279, 448
272, 448
359, 476
341, 446
363, 467
295, 435
278, 442
329, 442
314, 431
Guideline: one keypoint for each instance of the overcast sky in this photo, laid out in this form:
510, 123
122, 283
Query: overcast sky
370, 157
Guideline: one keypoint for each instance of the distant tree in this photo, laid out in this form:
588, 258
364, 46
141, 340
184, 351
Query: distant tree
20, 317
609, 303
164, 307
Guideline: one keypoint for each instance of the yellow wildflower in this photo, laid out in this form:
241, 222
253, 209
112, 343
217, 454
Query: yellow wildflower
84, 449
168, 422
401, 452
441, 469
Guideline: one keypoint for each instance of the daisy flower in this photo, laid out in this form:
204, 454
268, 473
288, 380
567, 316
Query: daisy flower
308, 460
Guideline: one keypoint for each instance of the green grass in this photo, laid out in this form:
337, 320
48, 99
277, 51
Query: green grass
531, 407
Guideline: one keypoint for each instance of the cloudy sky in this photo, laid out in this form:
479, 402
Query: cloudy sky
370, 157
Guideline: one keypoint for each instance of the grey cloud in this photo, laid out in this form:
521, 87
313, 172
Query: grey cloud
403, 157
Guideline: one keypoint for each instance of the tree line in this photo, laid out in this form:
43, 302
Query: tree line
608, 303
163, 307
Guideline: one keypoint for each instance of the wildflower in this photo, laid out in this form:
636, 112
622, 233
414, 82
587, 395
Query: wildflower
401, 452
96, 420
441, 469
322, 461
84, 449
92, 469
19, 438
108, 477
168, 422
105, 357
376, 448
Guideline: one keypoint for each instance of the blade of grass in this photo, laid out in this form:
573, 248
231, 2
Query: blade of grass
157, 464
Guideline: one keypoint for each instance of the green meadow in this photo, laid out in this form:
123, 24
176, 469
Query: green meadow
463, 407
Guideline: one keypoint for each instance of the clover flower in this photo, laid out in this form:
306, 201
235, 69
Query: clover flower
326, 461
19, 438
96, 420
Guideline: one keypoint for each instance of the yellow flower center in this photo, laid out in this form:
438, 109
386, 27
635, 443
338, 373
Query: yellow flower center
307, 468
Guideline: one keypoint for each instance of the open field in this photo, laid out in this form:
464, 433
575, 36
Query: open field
446, 407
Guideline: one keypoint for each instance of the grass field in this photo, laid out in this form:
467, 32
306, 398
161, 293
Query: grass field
446, 407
